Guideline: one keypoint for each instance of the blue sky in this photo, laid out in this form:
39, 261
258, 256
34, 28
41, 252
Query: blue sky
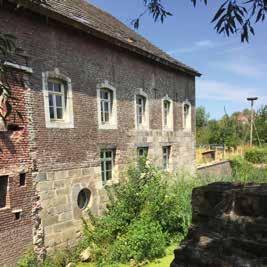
231, 70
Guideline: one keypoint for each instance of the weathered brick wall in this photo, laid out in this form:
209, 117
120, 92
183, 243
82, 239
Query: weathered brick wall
59, 153
16, 233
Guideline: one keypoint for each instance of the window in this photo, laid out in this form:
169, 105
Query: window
142, 152
3, 191
166, 157
107, 106
58, 105
167, 113
141, 110
22, 179
107, 158
56, 98
84, 197
187, 115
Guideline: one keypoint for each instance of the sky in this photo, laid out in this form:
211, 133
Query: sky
231, 71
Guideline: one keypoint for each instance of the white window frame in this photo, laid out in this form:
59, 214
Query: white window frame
187, 122
68, 116
103, 161
112, 123
145, 111
169, 125
166, 157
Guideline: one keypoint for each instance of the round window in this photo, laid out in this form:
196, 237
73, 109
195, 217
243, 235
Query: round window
84, 198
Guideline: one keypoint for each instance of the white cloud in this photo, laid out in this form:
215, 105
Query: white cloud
244, 67
205, 43
222, 91
198, 45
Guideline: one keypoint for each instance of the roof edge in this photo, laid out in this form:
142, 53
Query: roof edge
43, 10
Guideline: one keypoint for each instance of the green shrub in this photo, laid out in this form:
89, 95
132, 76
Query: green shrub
145, 211
244, 172
256, 155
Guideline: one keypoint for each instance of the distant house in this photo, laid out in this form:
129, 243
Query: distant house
242, 118
94, 96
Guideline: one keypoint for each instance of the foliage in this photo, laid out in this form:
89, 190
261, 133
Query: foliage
256, 155
144, 213
245, 172
60, 258
229, 130
232, 17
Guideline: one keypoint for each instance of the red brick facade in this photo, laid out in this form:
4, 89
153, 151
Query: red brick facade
64, 160
15, 217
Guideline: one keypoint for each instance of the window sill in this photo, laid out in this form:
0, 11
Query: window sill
167, 129
108, 126
59, 124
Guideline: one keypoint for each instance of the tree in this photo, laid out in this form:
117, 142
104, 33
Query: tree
232, 17
201, 117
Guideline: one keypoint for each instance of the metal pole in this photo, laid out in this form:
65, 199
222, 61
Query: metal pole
251, 124
251, 99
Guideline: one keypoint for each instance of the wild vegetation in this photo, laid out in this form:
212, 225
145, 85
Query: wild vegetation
231, 130
148, 212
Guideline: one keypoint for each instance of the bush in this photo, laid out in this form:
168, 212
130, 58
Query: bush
243, 171
256, 155
146, 210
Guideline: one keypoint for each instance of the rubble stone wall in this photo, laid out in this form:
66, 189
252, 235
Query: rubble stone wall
228, 228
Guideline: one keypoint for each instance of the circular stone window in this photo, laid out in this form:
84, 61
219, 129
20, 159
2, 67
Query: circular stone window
84, 198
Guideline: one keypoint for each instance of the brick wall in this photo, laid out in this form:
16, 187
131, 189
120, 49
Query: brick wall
16, 232
68, 159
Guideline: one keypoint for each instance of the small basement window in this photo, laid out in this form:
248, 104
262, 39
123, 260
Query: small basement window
3, 191
84, 198
142, 152
22, 179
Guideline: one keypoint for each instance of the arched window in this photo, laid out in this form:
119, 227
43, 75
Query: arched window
187, 115
141, 110
167, 113
58, 104
107, 106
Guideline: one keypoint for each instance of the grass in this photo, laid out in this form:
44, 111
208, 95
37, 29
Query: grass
163, 262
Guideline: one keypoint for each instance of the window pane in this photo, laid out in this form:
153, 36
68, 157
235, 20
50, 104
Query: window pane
57, 87
51, 112
106, 116
109, 175
59, 113
50, 96
58, 101
50, 86
108, 154
108, 165
106, 106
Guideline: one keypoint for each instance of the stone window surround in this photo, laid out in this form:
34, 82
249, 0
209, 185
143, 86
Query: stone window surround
170, 119
189, 118
68, 121
145, 124
113, 124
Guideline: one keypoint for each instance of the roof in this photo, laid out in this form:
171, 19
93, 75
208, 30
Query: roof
96, 21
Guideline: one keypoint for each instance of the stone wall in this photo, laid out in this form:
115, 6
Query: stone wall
222, 168
228, 228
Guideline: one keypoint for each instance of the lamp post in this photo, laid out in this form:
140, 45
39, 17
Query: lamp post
251, 99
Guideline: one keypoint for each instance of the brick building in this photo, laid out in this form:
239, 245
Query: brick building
95, 95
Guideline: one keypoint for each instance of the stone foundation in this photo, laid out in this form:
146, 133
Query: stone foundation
229, 227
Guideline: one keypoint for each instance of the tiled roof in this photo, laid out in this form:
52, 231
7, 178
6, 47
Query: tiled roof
96, 19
